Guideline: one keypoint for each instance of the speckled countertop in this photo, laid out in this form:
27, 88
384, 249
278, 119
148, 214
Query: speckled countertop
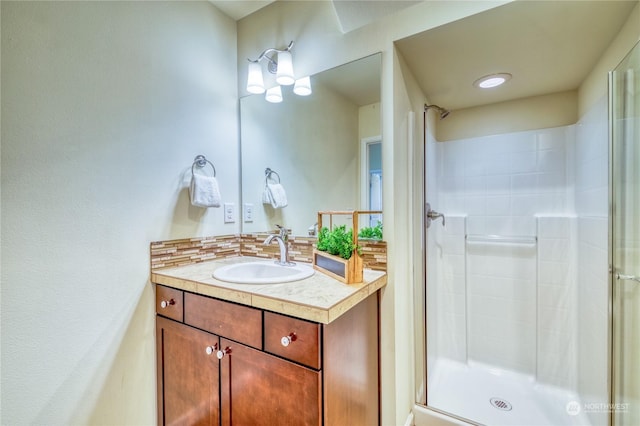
318, 298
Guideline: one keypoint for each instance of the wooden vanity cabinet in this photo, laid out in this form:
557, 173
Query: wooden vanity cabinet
188, 375
262, 389
296, 372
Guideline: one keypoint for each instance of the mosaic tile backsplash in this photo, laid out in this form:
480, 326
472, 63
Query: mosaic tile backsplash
172, 253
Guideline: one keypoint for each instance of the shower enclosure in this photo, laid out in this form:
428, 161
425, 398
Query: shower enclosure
624, 85
532, 298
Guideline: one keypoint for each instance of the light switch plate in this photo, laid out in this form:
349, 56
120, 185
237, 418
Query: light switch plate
229, 213
247, 212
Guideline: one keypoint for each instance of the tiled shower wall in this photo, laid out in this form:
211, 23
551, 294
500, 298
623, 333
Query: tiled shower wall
500, 182
523, 184
501, 309
509, 305
556, 301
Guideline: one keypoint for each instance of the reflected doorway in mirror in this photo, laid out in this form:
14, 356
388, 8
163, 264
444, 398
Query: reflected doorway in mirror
371, 177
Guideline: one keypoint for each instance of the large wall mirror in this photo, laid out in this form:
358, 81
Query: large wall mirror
314, 144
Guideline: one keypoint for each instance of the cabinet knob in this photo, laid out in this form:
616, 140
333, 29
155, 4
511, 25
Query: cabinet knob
222, 353
210, 349
166, 303
286, 340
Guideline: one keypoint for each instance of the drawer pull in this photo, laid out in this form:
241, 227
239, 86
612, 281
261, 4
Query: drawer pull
221, 354
286, 340
210, 349
166, 303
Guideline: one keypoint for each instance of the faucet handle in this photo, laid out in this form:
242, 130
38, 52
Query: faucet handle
283, 231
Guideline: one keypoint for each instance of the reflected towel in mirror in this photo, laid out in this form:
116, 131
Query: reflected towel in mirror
275, 195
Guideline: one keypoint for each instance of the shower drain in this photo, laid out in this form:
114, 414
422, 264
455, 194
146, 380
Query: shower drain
500, 404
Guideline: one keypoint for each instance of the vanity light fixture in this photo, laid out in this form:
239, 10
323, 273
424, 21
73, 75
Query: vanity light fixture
255, 82
302, 86
280, 63
492, 80
284, 73
274, 95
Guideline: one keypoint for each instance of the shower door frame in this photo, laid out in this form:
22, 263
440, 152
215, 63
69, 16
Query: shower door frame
424, 401
611, 281
615, 286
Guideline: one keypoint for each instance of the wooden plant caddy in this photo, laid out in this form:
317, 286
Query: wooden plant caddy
347, 271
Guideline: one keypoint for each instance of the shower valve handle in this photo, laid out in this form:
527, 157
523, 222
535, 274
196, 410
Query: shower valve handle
628, 277
432, 215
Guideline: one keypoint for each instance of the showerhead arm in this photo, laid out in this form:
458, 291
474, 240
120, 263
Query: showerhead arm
443, 112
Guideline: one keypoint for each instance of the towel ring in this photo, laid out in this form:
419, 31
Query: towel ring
267, 174
201, 162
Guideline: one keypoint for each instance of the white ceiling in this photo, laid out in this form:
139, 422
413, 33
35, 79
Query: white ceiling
548, 46
351, 14
238, 9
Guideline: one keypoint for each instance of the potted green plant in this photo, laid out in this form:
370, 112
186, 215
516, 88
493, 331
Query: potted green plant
338, 241
337, 254
371, 232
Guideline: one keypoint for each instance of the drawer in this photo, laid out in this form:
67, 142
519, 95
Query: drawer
292, 338
236, 322
169, 302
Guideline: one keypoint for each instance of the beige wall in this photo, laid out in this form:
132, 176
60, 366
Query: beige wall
594, 87
369, 121
104, 107
539, 112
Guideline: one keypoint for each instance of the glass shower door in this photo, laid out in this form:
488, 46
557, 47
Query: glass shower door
624, 83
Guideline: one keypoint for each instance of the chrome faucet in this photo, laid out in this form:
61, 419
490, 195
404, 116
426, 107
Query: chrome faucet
281, 238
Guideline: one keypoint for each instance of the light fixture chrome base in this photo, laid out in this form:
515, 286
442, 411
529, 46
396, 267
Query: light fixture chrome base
272, 65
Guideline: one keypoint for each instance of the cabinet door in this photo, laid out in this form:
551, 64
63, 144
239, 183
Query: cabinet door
188, 375
261, 389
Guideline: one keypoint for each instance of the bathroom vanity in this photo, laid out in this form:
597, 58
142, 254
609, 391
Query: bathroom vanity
298, 353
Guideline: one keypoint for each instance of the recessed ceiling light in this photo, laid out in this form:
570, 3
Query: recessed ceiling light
492, 80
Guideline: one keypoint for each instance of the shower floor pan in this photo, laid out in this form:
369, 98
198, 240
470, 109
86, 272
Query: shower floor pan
496, 397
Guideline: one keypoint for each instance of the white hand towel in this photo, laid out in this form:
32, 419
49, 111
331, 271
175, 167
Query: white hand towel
277, 195
266, 195
204, 191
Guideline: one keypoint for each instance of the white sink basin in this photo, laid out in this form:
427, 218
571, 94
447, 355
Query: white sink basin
262, 272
